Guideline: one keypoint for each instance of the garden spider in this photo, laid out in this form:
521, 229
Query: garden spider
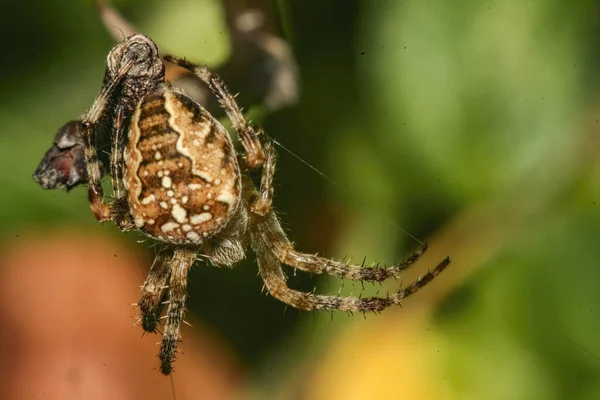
177, 178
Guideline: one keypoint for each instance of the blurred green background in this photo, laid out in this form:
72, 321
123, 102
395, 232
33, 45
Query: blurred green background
474, 122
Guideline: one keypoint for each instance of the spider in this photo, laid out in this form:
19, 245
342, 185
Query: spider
177, 178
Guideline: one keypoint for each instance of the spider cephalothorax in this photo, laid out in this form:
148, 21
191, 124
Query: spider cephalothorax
177, 178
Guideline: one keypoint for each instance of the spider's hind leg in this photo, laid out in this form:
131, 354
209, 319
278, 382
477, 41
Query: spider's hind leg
286, 254
313, 264
266, 236
275, 281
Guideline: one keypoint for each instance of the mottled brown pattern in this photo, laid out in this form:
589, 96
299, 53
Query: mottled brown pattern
164, 144
182, 187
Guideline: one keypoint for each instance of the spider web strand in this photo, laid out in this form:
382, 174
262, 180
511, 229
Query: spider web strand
342, 188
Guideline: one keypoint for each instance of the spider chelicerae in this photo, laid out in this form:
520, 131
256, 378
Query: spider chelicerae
177, 178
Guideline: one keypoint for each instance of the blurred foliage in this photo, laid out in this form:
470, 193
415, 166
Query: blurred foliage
421, 112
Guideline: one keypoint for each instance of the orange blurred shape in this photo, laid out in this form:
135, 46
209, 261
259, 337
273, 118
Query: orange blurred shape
66, 327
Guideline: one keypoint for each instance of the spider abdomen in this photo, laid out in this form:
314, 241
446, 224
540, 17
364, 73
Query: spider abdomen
182, 177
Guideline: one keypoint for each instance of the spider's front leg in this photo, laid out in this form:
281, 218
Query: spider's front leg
117, 209
259, 151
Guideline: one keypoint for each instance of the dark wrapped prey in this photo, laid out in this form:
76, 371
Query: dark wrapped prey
63, 166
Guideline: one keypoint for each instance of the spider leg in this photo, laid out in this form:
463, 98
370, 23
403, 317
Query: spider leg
261, 205
268, 232
259, 151
314, 264
182, 260
103, 212
249, 134
286, 254
118, 206
116, 156
154, 289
